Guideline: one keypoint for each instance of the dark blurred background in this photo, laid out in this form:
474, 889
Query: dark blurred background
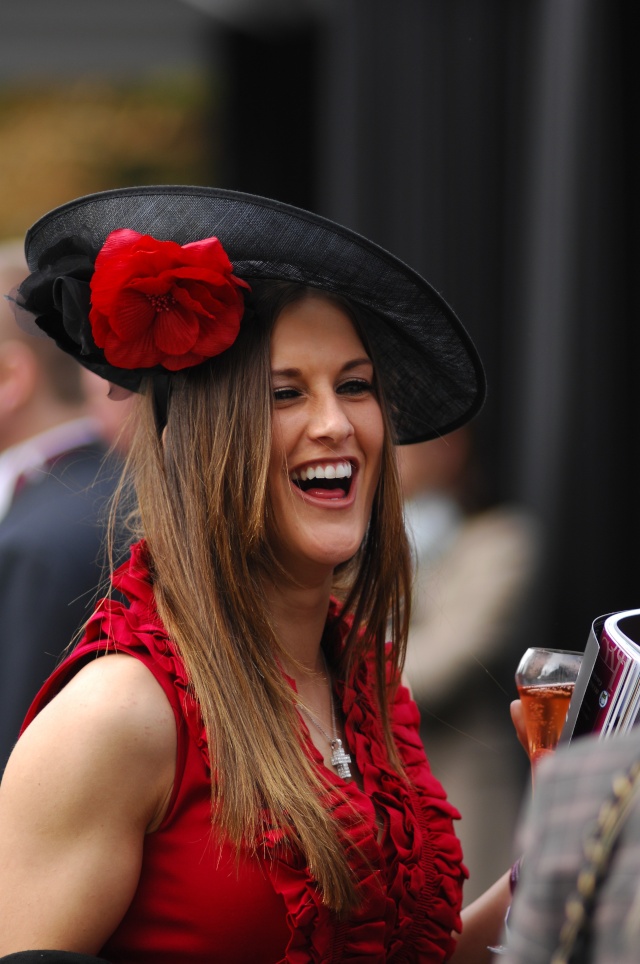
490, 144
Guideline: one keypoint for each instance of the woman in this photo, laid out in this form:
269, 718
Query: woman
242, 779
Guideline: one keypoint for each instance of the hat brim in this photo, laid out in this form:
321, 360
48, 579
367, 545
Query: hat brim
430, 371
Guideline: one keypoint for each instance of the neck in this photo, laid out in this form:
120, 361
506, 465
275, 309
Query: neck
299, 614
33, 421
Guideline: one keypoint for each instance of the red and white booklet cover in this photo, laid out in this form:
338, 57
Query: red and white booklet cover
606, 698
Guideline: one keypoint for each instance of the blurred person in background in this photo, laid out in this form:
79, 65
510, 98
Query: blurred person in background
112, 420
474, 566
53, 492
578, 896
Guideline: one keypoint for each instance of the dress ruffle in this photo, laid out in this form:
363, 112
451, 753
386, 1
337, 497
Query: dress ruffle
398, 833
409, 908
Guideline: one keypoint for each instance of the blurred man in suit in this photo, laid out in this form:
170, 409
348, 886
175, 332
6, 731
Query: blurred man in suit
53, 491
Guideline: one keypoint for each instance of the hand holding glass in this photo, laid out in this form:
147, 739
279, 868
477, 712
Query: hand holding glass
545, 679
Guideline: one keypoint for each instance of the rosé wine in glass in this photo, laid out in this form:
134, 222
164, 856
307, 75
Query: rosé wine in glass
545, 679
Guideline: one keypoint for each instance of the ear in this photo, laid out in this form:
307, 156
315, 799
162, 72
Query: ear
18, 376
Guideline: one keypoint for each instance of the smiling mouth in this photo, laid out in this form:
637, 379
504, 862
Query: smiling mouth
323, 480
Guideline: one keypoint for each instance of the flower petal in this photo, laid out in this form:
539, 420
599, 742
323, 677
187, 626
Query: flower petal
176, 330
218, 335
208, 252
175, 363
141, 353
100, 327
131, 315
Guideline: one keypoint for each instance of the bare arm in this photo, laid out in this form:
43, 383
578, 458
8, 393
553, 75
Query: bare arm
89, 777
482, 923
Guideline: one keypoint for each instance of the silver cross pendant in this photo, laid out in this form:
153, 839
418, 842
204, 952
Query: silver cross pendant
340, 760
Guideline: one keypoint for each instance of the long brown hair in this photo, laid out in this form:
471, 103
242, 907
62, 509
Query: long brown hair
205, 512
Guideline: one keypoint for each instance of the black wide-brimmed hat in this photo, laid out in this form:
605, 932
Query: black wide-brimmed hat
430, 371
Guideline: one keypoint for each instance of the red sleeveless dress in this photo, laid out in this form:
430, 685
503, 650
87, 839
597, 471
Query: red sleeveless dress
195, 904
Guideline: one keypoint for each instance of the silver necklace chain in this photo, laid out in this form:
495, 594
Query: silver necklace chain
340, 759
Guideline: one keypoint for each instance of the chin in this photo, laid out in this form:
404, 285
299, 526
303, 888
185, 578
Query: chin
331, 557
319, 559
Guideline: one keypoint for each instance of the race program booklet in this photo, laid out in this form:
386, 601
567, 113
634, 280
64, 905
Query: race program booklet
606, 697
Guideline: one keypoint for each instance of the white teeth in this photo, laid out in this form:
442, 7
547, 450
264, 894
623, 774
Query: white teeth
341, 471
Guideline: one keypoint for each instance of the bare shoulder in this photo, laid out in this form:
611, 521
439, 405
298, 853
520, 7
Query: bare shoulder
118, 692
87, 780
110, 727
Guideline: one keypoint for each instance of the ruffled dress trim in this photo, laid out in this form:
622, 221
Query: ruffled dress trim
398, 834
410, 875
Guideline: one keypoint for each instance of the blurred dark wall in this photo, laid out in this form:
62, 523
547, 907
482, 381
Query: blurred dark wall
268, 116
491, 145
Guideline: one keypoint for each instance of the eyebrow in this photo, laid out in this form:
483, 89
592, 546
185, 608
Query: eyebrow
295, 372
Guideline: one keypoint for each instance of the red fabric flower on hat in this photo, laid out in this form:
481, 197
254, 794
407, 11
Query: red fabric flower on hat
162, 303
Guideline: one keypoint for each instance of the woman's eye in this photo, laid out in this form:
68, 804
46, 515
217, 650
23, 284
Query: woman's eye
355, 386
284, 394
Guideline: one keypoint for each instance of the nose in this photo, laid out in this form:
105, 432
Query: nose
329, 421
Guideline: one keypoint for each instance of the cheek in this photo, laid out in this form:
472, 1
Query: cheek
283, 431
276, 444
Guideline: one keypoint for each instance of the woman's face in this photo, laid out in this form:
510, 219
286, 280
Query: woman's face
327, 437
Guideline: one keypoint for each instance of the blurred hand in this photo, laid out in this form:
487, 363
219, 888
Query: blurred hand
517, 717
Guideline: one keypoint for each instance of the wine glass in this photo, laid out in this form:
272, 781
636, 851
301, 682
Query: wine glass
545, 679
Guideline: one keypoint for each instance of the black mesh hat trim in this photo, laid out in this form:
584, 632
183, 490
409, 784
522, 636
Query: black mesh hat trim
429, 368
